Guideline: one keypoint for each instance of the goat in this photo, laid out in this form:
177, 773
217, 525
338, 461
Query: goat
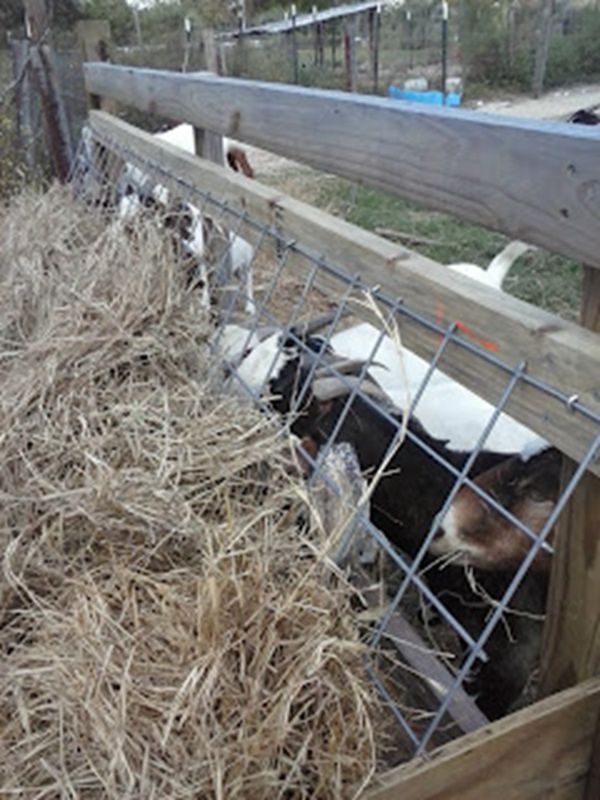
401, 374
406, 499
481, 536
197, 237
585, 116
182, 136
410, 493
498, 268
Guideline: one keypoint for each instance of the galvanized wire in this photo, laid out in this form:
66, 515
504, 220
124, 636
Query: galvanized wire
93, 168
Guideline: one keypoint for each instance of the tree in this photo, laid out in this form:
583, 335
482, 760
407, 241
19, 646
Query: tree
117, 12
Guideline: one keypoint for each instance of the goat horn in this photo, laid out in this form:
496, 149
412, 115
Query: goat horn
313, 325
347, 366
330, 388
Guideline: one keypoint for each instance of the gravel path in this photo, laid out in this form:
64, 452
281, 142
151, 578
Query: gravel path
555, 105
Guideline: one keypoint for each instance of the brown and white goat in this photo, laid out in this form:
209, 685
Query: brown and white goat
480, 536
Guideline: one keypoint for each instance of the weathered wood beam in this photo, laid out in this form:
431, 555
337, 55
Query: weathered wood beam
556, 351
539, 182
541, 752
571, 646
58, 136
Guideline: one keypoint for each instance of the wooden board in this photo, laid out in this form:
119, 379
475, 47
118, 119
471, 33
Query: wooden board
571, 646
556, 351
540, 753
462, 708
539, 182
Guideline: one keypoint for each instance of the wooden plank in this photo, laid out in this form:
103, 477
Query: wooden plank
571, 646
540, 753
463, 709
556, 351
535, 181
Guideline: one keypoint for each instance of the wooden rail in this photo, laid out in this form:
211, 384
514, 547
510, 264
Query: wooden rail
543, 752
539, 182
559, 352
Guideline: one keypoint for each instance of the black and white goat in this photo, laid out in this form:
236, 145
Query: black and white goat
408, 495
200, 241
183, 136
194, 233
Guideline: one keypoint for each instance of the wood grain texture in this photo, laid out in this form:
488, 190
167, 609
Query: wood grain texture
571, 645
540, 753
463, 708
539, 182
556, 351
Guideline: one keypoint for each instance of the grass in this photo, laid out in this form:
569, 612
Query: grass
543, 279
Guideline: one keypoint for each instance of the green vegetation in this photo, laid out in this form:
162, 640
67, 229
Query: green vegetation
548, 281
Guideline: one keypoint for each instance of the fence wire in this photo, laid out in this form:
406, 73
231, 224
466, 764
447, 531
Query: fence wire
443, 637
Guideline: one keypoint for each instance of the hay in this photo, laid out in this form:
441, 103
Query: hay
166, 629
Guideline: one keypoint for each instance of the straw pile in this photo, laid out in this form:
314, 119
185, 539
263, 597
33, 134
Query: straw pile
166, 629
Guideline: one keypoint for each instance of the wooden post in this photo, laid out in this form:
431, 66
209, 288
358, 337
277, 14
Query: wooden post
544, 35
592, 786
187, 43
511, 32
138, 28
350, 54
58, 136
316, 36
294, 47
240, 50
444, 49
374, 26
409, 23
94, 40
571, 646
23, 100
209, 145
333, 42
320, 44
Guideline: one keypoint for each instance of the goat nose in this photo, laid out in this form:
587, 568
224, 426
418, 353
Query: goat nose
438, 534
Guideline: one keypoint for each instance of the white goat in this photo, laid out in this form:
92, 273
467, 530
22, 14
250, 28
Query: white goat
137, 194
182, 136
499, 266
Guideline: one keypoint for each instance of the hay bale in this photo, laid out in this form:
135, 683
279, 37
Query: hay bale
166, 628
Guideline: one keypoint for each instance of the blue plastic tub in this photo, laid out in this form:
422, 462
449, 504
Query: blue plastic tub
432, 98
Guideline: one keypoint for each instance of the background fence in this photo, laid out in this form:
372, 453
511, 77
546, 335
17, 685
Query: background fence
507, 44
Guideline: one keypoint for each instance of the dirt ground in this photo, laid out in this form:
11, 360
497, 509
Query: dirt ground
555, 105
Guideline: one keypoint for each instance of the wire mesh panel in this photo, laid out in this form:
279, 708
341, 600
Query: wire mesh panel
439, 505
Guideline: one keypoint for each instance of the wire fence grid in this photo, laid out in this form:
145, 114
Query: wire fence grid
424, 648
